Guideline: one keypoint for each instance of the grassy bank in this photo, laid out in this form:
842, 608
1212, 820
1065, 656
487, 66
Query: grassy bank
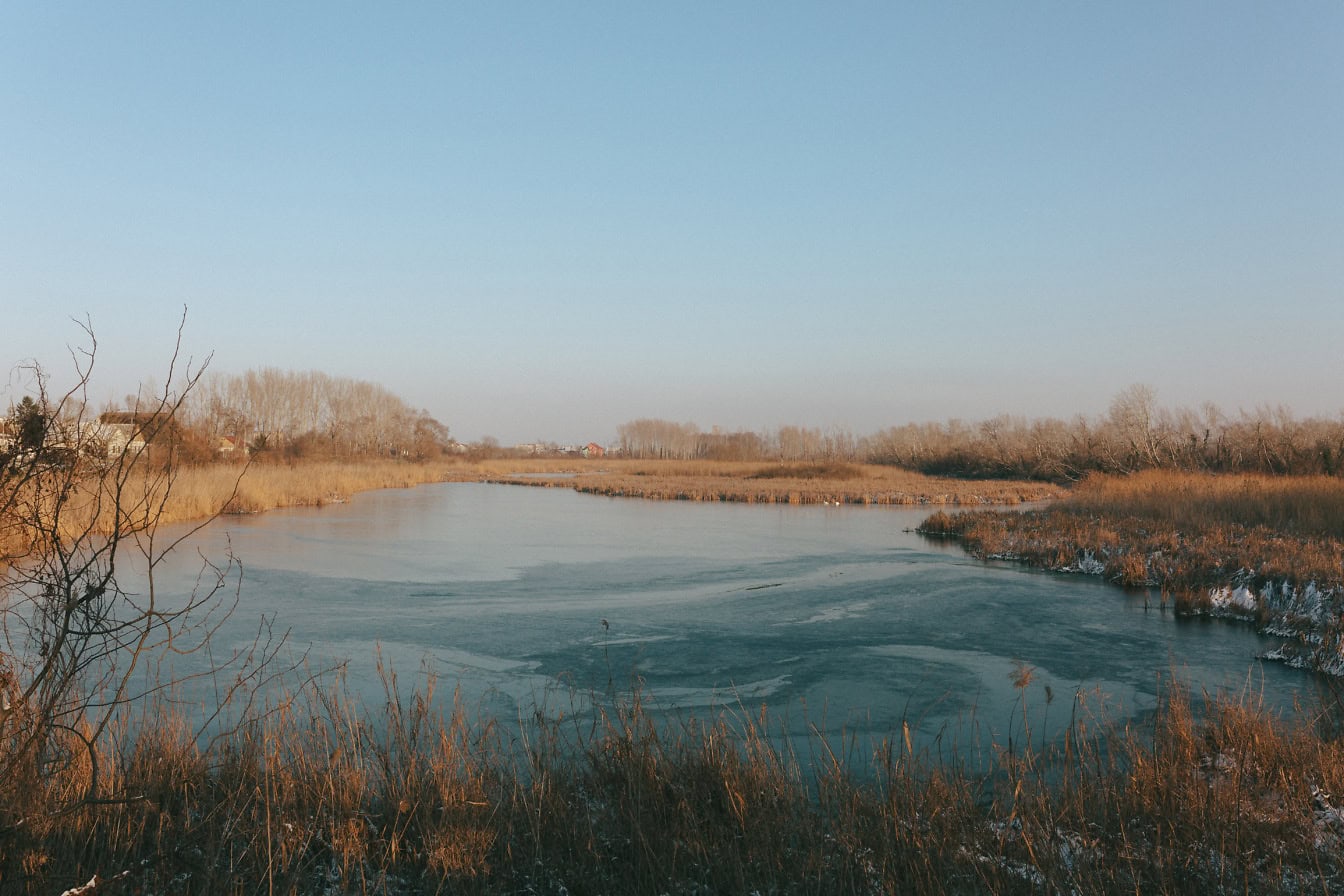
1265, 549
267, 486
200, 492
763, 483
319, 795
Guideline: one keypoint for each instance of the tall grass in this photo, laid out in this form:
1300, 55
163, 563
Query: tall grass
1178, 531
757, 483
1310, 506
322, 795
200, 492
1265, 549
306, 484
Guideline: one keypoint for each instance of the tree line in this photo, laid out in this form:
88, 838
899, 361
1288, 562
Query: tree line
311, 414
279, 413
260, 413
1135, 433
649, 438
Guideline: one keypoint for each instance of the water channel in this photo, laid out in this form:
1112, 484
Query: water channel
838, 617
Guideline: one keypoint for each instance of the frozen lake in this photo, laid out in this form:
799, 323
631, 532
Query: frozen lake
834, 616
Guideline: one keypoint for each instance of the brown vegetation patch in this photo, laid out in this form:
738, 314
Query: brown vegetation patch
319, 795
830, 483
199, 492
1196, 538
809, 471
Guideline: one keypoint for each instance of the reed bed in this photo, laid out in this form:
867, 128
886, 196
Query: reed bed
1311, 506
762, 483
307, 484
320, 795
1269, 550
200, 492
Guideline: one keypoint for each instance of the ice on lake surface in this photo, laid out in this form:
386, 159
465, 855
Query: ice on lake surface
529, 597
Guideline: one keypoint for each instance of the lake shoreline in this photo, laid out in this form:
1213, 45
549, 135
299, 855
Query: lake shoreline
765, 483
200, 492
323, 789
310, 798
1257, 550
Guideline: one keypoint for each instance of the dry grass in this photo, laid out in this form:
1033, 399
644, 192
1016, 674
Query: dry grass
199, 492
303, 484
1310, 506
1191, 531
755, 483
1277, 542
319, 795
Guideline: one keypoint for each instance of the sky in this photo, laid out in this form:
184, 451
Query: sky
541, 220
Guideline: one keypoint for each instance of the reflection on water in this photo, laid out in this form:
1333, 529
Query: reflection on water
837, 616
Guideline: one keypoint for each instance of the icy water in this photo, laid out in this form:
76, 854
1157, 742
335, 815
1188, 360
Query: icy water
837, 617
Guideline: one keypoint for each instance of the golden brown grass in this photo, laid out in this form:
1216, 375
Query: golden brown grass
1311, 506
755, 482
1178, 531
1193, 536
303, 484
144, 493
321, 795
199, 492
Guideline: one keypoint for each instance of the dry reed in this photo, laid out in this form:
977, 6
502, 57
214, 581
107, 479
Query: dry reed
201, 491
1265, 549
321, 795
757, 483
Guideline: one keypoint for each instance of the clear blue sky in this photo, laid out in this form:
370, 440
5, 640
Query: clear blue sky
542, 220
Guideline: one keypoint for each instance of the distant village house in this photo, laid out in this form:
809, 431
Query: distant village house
116, 433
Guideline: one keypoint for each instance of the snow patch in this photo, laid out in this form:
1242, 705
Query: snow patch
1088, 565
1239, 601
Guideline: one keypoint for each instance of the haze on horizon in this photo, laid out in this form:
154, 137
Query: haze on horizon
539, 222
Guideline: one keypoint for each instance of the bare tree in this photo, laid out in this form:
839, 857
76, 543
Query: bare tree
659, 439
311, 412
83, 623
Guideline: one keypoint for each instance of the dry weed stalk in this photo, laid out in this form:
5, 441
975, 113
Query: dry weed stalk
324, 794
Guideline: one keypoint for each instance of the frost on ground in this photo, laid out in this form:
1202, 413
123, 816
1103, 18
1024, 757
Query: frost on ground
1310, 618
1088, 565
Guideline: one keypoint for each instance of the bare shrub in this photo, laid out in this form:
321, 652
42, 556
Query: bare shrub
81, 646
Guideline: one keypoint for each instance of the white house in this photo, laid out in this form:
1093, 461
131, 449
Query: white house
112, 439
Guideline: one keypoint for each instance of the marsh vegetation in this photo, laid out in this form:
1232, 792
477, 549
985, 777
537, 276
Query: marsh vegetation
111, 782
320, 794
1267, 549
763, 483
